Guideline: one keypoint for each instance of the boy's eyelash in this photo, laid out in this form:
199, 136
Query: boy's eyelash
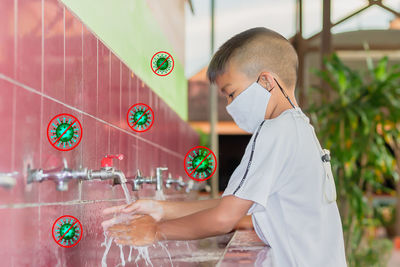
231, 95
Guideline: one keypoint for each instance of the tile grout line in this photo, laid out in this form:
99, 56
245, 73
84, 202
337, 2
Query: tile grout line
14, 89
64, 52
120, 108
15, 36
97, 76
8, 79
41, 115
137, 141
42, 90
83, 104
97, 89
65, 203
109, 101
120, 91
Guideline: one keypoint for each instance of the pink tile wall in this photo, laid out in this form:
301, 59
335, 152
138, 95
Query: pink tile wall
50, 63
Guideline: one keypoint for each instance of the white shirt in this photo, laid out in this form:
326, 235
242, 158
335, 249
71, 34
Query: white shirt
284, 178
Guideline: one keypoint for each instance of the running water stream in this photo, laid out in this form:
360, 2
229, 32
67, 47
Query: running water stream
108, 240
143, 252
126, 193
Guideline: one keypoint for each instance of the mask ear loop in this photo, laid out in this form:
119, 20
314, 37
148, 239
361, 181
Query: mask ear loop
265, 88
284, 93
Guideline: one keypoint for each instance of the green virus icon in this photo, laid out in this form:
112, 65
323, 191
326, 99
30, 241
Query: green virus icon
162, 63
67, 231
140, 117
200, 163
64, 132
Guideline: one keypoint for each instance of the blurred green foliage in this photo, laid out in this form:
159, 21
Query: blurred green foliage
204, 138
356, 122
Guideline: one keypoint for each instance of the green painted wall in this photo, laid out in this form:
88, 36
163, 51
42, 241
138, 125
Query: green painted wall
128, 28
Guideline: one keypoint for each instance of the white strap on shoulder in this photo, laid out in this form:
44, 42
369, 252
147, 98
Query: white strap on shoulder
329, 182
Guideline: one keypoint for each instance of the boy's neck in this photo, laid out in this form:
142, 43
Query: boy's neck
277, 106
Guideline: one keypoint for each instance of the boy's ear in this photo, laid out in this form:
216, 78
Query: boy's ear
267, 81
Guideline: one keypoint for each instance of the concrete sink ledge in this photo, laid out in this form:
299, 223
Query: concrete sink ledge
246, 249
241, 248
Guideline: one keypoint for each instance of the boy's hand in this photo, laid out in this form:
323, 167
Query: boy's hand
142, 206
139, 231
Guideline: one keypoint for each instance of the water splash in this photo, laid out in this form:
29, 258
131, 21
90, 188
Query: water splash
108, 240
143, 252
107, 244
166, 250
121, 254
130, 254
160, 195
182, 243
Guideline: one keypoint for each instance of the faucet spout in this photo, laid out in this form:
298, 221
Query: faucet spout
139, 180
59, 176
121, 177
107, 171
107, 174
179, 183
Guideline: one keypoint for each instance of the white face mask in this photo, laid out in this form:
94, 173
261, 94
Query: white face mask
248, 108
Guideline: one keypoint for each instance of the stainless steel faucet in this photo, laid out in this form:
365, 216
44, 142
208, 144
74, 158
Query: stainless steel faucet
160, 182
60, 175
179, 183
139, 180
107, 171
7, 180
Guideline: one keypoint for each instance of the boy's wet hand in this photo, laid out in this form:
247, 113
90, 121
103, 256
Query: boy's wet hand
139, 231
122, 218
143, 206
115, 209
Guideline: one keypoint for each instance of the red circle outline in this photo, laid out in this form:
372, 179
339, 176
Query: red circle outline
54, 224
80, 138
151, 63
184, 165
133, 128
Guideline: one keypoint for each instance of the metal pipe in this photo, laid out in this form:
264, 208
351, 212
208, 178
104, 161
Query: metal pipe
214, 114
326, 40
61, 176
299, 44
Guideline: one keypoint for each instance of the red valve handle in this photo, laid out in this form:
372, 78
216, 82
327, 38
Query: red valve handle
107, 161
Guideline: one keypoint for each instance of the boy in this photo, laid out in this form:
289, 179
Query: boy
281, 180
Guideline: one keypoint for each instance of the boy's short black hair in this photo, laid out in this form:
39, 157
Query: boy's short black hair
254, 50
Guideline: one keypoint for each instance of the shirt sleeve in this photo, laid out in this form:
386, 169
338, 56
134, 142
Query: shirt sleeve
261, 168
